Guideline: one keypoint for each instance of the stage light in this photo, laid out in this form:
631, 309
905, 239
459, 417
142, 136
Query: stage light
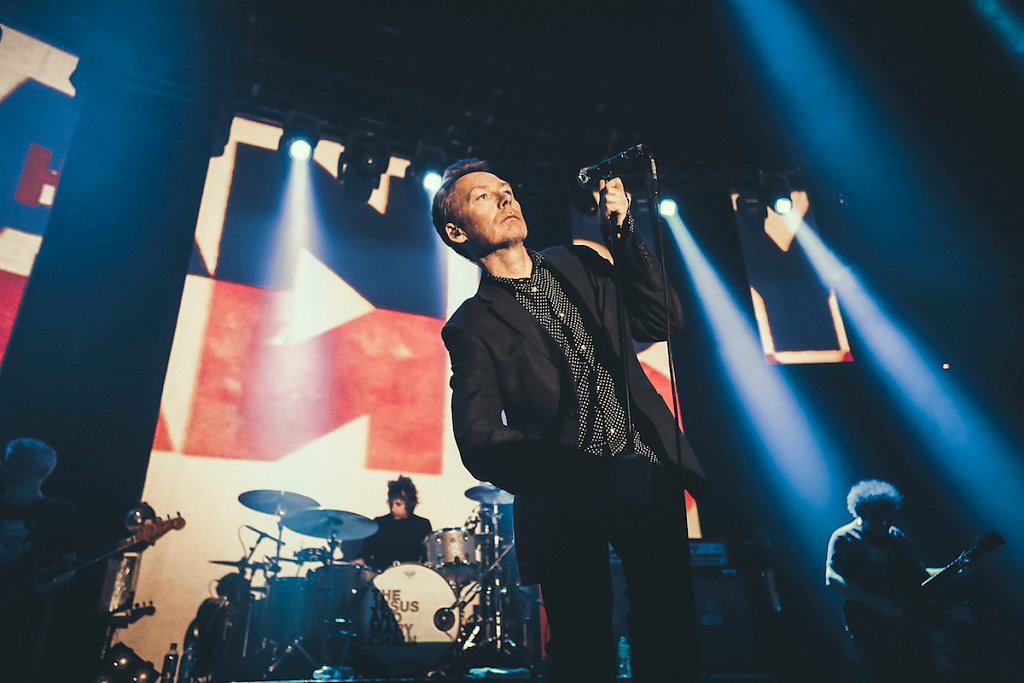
365, 154
300, 149
668, 207
774, 192
299, 136
431, 182
427, 164
361, 165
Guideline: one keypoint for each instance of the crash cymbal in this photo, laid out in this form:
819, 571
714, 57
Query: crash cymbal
241, 564
489, 494
275, 502
336, 524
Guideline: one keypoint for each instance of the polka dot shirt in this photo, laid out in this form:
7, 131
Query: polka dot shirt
603, 429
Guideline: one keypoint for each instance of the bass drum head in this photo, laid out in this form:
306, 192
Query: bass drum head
396, 620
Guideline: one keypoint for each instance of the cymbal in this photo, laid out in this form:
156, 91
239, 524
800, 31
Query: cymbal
241, 564
488, 494
337, 524
275, 502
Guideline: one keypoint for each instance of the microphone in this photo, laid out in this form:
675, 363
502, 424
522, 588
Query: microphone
610, 166
263, 535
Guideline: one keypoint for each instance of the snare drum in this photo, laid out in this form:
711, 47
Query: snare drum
454, 553
396, 620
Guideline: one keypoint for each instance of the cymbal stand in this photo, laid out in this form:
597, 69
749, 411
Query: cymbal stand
333, 544
495, 592
296, 644
444, 618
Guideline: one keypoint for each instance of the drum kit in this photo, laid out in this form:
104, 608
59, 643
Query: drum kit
409, 619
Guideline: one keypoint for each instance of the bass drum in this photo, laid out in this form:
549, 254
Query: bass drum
396, 620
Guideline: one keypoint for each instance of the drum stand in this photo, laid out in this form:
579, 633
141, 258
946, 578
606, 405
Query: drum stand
495, 640
296, 644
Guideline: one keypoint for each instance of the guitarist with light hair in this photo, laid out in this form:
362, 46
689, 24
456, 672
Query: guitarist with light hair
37, 531
874, 568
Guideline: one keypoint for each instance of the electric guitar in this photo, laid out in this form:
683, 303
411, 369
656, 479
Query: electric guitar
862, 620
41, 581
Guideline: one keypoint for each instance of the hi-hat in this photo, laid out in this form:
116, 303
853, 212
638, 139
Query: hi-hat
488, 494
275, 502
334, 524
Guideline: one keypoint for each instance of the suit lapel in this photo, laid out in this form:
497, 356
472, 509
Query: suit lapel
504, 306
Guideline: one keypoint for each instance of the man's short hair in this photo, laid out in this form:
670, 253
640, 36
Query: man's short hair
443, 209
872, 495
29, 459
403, 488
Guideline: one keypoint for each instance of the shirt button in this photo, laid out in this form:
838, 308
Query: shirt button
533, 289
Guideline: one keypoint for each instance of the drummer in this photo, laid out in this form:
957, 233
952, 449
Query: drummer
400, 534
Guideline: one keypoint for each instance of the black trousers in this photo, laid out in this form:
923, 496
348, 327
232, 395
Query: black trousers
651, 540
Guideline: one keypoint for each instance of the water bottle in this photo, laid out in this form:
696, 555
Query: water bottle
188, 661
625, 669
170, 665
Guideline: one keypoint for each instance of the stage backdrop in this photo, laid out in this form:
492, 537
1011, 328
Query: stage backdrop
38, 113
307, 355
307, 358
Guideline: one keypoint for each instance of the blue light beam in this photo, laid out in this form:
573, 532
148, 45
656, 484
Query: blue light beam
779, 421
1007, 25
975, 457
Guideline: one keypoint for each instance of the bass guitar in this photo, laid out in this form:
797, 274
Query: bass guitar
41, 581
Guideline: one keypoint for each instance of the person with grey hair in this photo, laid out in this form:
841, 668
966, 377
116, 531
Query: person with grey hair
37, 533
873, 567
538, 410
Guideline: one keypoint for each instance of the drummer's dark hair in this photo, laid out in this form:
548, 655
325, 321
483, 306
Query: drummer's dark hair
406, 490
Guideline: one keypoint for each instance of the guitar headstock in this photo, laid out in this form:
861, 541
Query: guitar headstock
152, 530
989, 542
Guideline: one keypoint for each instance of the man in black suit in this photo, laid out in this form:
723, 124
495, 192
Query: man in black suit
538, 410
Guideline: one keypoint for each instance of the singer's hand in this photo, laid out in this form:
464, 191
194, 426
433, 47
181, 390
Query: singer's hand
614, 201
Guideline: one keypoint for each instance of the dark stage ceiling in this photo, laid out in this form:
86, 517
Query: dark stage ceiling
552, 86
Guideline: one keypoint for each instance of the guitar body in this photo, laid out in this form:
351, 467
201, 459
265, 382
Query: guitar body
902, 649
41, 582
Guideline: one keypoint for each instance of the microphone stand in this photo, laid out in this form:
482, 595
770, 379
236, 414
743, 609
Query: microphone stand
638, 487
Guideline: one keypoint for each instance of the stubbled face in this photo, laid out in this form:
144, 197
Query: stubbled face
490, 217
398, 509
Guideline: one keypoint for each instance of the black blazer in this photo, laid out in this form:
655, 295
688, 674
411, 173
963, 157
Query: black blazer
514, 405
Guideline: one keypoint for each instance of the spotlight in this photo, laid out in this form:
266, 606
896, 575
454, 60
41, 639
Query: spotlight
299, 137
360, 166
774, 192
432, 182
668, 207
300, 149
365, 154
428, 164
